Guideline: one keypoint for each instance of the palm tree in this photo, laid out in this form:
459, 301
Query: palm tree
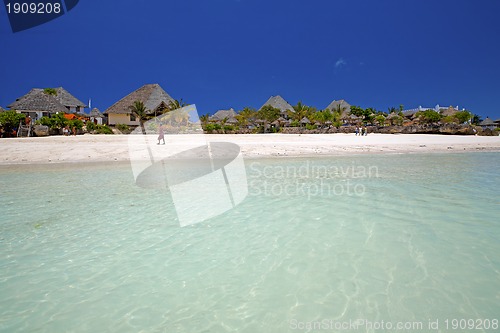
204, 119
177, 104
139, 110
245, 115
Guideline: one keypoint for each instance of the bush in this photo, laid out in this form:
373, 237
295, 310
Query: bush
228, 128
449, 119
295, 123
103, 129
123, 128
76, 123
90, 126
10, 120
209, 128
429, 116
45, 121
310, 127
56, 122
98, 129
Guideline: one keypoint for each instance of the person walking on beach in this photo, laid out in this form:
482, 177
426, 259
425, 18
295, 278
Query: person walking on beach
365, 131
161, 134
356, 132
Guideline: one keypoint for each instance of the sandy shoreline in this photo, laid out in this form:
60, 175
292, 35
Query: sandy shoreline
115, 148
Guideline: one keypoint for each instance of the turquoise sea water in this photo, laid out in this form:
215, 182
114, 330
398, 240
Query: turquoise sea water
373, 240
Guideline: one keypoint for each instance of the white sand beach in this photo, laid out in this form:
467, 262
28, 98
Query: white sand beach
110, 148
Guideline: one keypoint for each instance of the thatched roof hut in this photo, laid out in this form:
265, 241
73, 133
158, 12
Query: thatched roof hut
68, 100
232, 121
221, 114
345, 107
152, 95
305, 121
37, 101
95, 113
391, 116
279, 103
487, 123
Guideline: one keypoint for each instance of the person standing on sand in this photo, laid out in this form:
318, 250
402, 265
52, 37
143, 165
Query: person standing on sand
161, 134
356, 132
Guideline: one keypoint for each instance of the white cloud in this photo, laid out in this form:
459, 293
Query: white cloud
340, 63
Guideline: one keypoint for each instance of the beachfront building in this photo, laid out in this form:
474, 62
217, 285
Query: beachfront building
488, 124
344, 108
96, 116
70, 102
445, 111
279, 103
42, 102
155, 99
228, 116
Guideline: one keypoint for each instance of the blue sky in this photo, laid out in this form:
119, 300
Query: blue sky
236, 53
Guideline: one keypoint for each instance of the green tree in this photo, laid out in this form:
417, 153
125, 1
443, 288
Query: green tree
268, 114
58, 121
177, 104
367, 115
301, 111
76, 123
429, 116
204, 119
380, 119
463, 116
476, 119
10, 120
245, 115
139, 110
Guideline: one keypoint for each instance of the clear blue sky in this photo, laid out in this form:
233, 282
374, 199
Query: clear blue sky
235, 53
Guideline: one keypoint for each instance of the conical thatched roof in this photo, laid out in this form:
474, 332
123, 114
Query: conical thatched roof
96, 113
232, 120
344, 106
152, 95
305, 121
221, 114
487, 122
279, 103
392, 116
38, 100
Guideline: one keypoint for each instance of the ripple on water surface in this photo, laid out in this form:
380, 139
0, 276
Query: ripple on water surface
84, 249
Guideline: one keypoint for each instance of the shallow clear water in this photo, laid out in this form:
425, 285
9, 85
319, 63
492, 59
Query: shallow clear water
393, 238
